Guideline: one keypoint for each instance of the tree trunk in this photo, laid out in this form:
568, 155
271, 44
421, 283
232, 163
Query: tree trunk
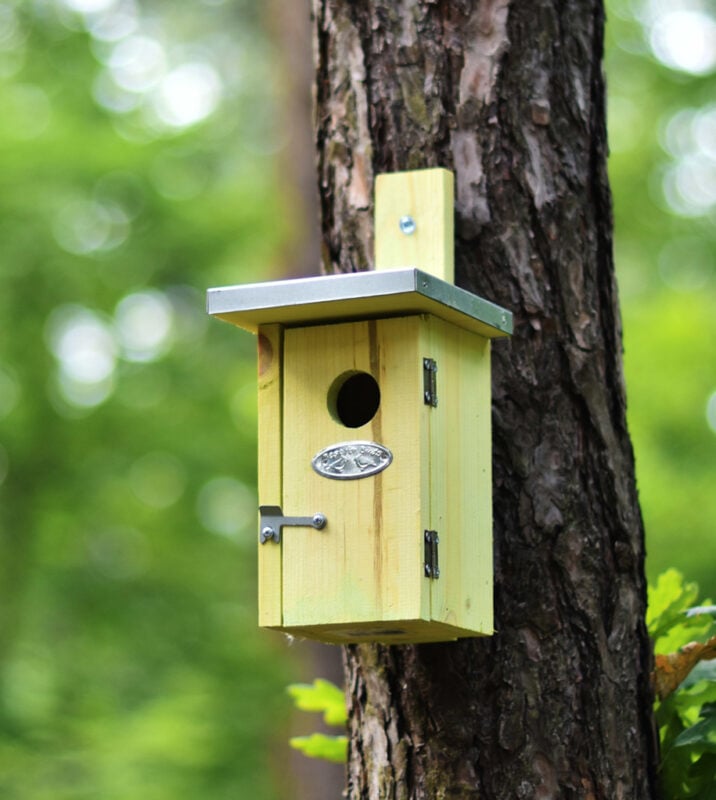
511, 97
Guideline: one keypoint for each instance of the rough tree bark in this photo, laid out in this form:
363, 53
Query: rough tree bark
510, 95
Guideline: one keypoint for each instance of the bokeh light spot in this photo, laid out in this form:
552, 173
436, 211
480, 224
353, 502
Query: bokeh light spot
83, 344
158, 479
116, 23
711, 411
685, 40
226, 506
84, 227
89, 6
144, 325
86, 353
137, 63
188, 94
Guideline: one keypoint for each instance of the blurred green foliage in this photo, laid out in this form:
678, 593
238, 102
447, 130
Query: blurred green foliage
328, 699
130, 664
138, 166
661, 76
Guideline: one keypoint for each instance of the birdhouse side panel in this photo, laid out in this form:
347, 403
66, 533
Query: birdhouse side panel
461, 482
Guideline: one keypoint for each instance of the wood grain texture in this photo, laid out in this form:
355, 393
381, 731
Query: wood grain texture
460, 478
365, 565
361, 578
270, 405
511, 97
426, 196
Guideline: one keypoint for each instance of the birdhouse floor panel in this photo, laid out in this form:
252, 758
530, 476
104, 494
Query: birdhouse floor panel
388, 632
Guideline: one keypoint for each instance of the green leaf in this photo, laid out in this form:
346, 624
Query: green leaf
668, 598
687, 700
318, 745
703, 671
672, 618
323, 696
703, 775
702, 735
674, 774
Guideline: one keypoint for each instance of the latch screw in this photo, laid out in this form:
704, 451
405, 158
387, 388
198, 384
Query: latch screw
266, 534
319, 521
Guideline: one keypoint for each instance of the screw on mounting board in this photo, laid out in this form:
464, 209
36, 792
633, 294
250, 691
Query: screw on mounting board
407, 225
319, 521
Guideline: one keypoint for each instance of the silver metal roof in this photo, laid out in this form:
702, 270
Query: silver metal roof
354, 296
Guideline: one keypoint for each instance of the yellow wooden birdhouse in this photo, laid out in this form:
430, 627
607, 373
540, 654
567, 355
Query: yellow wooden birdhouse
374, 435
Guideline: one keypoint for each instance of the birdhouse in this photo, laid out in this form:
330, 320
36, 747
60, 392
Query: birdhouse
375, 490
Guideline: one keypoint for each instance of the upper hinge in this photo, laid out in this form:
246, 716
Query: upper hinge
430, 382
432, 565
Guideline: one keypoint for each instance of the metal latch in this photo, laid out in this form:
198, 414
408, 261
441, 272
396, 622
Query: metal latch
272, 520
430, 387
432, 566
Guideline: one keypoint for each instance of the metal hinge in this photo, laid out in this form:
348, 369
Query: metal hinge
432, 566
430, 383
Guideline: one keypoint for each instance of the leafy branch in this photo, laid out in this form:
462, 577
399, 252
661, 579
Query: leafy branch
326, 698
684, 681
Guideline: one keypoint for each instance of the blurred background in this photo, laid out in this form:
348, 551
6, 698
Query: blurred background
149, 150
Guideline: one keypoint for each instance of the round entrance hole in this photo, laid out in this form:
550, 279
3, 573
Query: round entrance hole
353, 399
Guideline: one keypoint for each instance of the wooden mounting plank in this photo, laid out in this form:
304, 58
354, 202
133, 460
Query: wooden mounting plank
426, 196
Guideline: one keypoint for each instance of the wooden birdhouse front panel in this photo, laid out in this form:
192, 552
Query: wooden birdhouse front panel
354, 382
352, 392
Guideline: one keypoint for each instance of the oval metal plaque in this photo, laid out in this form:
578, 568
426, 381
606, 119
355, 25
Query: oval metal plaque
347, 461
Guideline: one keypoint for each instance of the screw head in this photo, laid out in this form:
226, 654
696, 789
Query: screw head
407, 224
319, 521
266, 534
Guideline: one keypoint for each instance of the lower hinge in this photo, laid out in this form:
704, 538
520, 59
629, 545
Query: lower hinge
432, 565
